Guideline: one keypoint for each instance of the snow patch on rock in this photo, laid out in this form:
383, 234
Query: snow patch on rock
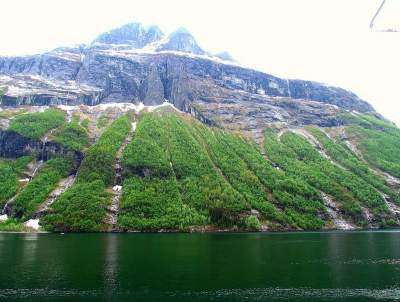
117, 188
126, 52
33, 224
124, 107
153, 108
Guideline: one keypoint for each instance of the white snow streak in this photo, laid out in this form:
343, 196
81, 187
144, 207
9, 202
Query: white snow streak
33, 224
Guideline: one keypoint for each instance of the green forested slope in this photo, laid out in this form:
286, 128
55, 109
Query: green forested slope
298, 157
9, 173
379, 142
73, 136
301, 204
179, 174
83, 206
288, 196
37, 190
345, 157
36, 125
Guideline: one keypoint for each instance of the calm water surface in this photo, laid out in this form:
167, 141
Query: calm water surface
337, 266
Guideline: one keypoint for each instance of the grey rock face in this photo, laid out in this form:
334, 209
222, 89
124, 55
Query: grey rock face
326, 94
13, 145
215, 92
31, 89
134, 34
153, 34
182, 40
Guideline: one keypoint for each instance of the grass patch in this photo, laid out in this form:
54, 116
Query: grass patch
299, 158
82, 208
12, 225
151, 197
85, 123
9, 173
100, 158
378, 141
340, 153
36, 125
72, 136
102, 121
40, 187
300, 204
175, 165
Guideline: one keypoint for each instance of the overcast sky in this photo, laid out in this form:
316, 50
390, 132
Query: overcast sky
323, 40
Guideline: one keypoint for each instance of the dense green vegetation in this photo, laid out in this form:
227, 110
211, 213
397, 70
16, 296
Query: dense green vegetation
36, 125
237, 173
300, 204
216, 177
179, 173
379, 141
152, 203
345, 157
73, 136
99, 160
41, 186
299, 158
151, 197
200, 182
9, 172
12, 225
102, 121
83, 206
85, 123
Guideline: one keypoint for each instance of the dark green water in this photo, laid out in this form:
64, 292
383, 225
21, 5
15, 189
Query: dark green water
357, 266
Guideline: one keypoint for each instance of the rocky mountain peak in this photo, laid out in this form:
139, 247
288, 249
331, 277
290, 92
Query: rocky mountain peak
182, 40
151, 38
153, 33
133, 34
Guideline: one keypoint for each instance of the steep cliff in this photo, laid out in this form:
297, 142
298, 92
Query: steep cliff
137, 64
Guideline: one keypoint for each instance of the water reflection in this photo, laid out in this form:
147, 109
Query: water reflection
111, 244
358, 266
29, 247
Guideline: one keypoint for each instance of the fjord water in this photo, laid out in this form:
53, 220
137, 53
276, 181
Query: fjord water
331, 266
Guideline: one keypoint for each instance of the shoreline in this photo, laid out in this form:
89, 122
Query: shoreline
221, 231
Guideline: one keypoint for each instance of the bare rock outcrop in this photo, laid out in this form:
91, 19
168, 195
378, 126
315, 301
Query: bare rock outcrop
136, 64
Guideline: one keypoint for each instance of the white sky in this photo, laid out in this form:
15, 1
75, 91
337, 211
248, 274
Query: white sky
323, 40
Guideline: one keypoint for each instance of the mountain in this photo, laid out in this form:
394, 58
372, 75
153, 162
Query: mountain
140, 131
133, 34
182, 40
